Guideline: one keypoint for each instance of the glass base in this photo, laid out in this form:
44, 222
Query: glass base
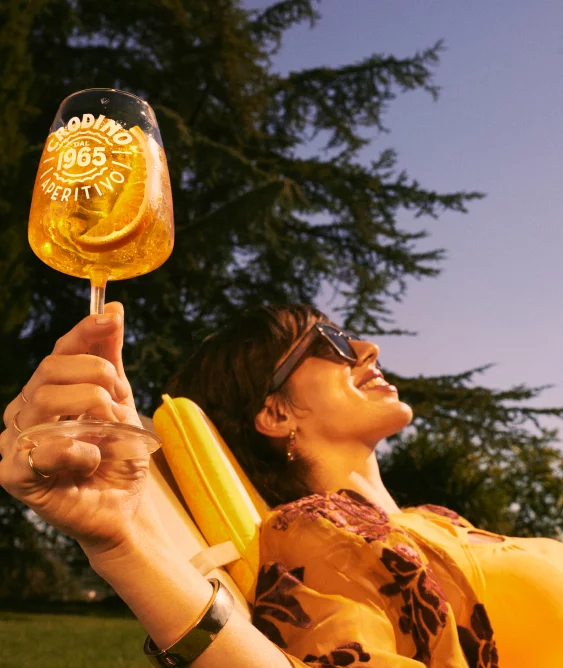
116, 441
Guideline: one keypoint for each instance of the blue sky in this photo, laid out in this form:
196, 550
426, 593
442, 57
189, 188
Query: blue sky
497, 128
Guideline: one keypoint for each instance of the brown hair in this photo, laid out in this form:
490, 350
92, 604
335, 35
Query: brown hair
229, 376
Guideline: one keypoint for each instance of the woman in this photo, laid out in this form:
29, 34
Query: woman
349, 579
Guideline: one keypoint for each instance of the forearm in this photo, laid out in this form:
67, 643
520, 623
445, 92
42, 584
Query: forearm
167, 595
240, 645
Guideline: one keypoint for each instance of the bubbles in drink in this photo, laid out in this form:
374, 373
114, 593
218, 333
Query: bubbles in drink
118, 218
105, 100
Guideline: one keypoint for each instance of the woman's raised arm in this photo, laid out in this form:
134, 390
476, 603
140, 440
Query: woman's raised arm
103, 505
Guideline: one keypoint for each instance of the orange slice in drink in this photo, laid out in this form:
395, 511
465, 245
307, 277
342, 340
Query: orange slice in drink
127, 218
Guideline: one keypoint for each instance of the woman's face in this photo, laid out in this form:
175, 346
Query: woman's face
335, 401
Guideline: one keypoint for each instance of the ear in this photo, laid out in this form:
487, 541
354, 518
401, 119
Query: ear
275, 420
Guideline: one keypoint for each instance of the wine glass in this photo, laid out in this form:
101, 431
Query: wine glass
102, 210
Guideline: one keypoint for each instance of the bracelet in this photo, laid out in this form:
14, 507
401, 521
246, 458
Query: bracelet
199, 636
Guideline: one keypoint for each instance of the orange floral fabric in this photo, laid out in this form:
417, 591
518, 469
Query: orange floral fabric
343, 584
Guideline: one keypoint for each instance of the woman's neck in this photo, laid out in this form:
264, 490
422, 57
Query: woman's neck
360, 474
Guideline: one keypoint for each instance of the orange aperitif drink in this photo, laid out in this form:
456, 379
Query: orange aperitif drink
102, 200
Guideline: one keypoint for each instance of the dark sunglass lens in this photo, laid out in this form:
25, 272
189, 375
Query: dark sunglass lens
341, 343
322, 348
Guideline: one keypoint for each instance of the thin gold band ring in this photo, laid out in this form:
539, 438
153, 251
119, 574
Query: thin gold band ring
37, 471
25, 399
15, 423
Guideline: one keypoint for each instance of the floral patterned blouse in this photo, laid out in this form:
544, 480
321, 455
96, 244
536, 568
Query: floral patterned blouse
343, 583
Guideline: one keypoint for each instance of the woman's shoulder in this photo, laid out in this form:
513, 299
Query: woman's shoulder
441, 514
344, 509
349, 510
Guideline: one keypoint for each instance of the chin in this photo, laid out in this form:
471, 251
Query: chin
395, 420
407, 413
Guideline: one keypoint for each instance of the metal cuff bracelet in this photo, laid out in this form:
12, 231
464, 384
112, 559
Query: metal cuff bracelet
198, 638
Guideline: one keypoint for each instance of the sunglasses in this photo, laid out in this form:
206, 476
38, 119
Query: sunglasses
322, 340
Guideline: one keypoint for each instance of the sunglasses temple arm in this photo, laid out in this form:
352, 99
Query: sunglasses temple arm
293, 359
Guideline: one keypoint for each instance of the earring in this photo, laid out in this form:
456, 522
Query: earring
291, 447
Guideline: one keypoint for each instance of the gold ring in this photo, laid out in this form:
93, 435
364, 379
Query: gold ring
15, 423
30, 460
25, 400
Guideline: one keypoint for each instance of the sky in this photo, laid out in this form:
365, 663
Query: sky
497, 128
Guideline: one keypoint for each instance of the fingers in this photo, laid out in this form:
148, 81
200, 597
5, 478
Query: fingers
11, 411
23, 470
70, 370
51, 401
72, 382
63, 454
101, 335
110, 347
92, 330
67, 377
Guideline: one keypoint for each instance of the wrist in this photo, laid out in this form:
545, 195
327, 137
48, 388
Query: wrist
129, 544
199, 636
154, 578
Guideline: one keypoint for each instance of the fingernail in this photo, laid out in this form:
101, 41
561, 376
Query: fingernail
106, 319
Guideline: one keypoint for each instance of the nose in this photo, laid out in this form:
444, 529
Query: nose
366, 351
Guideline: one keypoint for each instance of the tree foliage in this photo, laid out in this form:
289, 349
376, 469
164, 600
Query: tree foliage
259, 218
481, 451
271, 202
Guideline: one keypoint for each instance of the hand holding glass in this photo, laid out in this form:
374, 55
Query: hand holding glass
102, 210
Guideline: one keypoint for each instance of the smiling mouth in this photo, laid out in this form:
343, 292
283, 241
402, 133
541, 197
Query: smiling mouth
377, 383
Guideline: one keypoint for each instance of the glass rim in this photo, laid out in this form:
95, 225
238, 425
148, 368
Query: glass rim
126, 441
107, 90
85, 425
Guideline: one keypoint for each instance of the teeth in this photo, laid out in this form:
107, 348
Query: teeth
374, 382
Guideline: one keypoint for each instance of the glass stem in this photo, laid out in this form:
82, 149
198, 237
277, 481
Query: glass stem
97, 299
98, 281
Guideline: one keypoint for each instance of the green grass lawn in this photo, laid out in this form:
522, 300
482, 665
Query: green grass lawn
30, 640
